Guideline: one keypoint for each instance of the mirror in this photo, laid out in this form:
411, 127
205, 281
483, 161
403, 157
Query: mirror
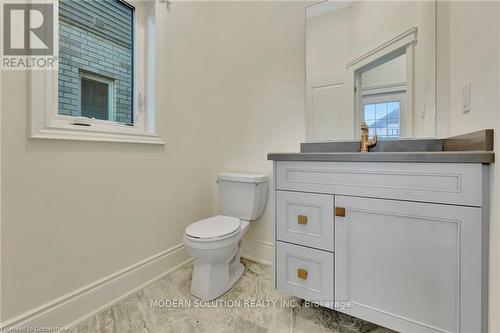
373, 62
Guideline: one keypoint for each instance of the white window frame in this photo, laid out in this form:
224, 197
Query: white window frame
111, 92
47, 123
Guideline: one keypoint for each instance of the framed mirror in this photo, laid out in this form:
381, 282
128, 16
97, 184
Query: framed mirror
373, 62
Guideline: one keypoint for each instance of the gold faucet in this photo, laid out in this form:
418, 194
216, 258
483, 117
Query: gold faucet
365, 142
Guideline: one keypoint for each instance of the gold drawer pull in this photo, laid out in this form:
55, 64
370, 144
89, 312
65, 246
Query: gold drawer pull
302, 219
340, 211
302, 274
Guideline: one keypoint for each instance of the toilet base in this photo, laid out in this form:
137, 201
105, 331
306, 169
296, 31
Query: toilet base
210, 295
212, 280
237, 274
217, 265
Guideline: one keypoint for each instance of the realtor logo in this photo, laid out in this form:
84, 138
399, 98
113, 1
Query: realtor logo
28, 35
28, 29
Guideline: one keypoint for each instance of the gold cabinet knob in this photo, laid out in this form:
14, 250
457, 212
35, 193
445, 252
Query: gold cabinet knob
302, 274
302, 219
340, 211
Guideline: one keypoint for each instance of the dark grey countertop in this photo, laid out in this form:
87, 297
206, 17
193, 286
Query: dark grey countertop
484, 157
476, 147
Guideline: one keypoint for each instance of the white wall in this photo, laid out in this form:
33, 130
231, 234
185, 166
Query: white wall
74, 212
231, 85
259, 95
469, 51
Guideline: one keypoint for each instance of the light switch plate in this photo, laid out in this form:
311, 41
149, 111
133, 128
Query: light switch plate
466, 98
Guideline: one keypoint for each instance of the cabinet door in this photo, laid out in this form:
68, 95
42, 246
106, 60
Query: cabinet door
412, 267
305, 219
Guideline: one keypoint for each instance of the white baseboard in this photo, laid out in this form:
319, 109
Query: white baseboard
258, 251
74, 307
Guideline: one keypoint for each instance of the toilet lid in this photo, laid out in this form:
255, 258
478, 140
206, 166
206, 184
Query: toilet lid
213, 227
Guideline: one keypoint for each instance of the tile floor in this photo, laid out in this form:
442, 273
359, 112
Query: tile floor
277, 313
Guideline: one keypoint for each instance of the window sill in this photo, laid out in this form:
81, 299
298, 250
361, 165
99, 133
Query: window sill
92, 135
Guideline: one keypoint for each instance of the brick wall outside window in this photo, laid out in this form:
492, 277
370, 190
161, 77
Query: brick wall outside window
96, 37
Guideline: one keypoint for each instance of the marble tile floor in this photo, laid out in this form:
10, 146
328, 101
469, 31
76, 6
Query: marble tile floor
138, 313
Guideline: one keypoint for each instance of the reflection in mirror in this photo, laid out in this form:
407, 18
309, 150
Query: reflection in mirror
383, 98
373, 62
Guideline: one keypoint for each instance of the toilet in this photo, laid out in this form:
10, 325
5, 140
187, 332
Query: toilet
214, 242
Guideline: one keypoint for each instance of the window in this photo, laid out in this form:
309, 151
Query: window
96, 97
383, 119
383, 114
105, 87
96, 43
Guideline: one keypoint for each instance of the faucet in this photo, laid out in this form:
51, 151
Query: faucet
365, 142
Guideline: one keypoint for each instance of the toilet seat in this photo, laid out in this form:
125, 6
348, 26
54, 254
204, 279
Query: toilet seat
214, 228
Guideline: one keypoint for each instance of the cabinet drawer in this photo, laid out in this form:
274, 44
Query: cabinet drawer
305, 219
306, 273
450, 183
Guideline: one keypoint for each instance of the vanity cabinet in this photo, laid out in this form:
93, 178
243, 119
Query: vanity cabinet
403, 245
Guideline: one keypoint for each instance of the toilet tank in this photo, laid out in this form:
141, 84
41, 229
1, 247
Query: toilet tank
242, 195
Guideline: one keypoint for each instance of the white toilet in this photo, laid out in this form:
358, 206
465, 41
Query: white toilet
213, 242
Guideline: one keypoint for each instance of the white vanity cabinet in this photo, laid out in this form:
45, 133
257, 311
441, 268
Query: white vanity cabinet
404, 244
